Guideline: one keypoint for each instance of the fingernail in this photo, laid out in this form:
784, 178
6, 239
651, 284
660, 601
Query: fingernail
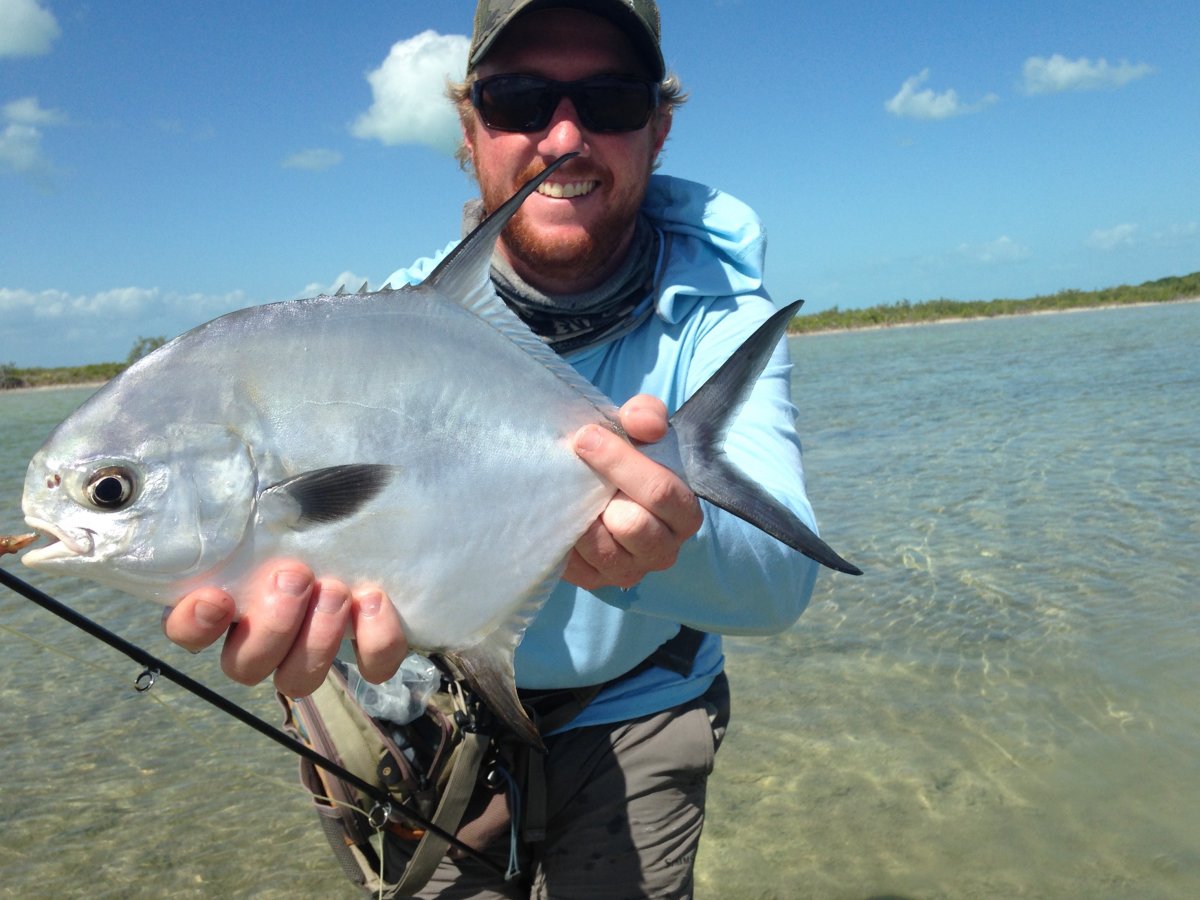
370, 604
293, 584
331, 601
588, 439
209, 614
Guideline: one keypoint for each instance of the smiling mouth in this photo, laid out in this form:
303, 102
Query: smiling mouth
567, 190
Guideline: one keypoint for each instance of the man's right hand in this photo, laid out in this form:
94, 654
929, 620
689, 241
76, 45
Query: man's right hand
291, 625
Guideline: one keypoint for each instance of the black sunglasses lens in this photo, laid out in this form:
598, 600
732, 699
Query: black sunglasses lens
614, 106
525, 104
514, 103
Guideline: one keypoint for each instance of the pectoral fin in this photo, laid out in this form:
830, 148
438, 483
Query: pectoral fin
323, 496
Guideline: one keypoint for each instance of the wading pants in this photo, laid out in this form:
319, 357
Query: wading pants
624, 810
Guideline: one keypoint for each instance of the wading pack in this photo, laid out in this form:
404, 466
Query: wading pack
443, 764
454, 764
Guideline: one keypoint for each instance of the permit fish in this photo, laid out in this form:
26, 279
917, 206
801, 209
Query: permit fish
415, 439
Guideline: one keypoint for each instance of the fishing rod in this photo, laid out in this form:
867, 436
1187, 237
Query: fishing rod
155, 667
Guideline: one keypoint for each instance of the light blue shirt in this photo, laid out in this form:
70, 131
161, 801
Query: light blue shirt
730, 578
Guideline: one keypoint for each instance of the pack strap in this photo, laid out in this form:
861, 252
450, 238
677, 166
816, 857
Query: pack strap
457, 793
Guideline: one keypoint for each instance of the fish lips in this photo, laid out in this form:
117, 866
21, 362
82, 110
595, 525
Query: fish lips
67, 543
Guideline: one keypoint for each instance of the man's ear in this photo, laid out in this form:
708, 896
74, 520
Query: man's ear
466, 149
663, 129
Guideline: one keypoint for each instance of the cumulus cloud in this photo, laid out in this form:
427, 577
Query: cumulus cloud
58, 328
317, 159
911, 103
1122, 235
348, 280
26, 28
1047, 76
21, 140
409, 91
1002, 250
133, 303
1178, 234
27, 111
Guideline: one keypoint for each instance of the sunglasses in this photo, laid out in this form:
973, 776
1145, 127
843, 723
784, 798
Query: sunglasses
526, 103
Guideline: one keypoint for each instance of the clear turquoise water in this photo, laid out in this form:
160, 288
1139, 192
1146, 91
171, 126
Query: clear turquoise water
1005, 705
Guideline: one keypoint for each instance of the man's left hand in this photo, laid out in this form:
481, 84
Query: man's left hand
652, 513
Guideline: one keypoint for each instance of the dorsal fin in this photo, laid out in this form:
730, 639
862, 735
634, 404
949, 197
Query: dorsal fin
363, 289
464, 277
463, 274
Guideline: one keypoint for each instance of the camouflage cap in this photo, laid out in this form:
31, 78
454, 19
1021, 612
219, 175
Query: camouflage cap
639, 19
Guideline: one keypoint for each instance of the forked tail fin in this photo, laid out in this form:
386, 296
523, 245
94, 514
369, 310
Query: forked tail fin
700, 426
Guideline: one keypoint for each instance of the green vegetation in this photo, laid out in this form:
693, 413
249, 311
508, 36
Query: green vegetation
12, 377
142, 347
906, 313
903, 313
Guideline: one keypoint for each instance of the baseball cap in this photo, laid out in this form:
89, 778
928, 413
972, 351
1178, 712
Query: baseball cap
639, 19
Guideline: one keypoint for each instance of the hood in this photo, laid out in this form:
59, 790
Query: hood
718, 243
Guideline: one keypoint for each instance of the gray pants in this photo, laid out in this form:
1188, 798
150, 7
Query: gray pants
624, 810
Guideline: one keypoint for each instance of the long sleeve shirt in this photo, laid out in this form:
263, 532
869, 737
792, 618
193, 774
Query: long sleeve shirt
730, 578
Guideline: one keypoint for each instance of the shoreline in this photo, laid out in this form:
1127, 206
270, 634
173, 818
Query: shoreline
24, 389
954, 320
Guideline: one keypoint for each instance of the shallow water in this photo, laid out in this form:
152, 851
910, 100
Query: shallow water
1005, 705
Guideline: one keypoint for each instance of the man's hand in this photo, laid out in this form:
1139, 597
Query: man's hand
652, 514
292, 625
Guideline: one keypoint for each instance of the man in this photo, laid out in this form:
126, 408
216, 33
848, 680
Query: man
646, 284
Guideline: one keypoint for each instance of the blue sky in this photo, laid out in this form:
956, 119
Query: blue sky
162, 163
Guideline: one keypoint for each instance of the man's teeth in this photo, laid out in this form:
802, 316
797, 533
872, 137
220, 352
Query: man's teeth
568, 190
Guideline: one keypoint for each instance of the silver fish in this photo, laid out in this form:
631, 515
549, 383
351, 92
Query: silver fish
415, 439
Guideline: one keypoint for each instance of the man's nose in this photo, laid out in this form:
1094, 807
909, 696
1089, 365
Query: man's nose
565, 133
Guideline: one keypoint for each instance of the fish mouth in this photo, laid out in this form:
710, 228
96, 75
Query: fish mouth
64, 543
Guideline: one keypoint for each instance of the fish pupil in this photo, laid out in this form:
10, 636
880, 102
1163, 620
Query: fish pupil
110, 488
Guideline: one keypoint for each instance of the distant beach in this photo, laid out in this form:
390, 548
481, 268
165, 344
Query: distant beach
1172, 289
951, 320
53, 387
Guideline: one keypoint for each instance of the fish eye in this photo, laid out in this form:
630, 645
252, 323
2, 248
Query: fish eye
110, 488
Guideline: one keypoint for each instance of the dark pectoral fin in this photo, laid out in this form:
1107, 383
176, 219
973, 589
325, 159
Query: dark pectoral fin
323, 496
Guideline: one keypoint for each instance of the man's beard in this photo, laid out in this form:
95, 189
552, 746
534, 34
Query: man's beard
586, 256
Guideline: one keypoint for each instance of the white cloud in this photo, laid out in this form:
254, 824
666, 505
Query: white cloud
1178, 234
1046, 76
1122, 235
1002, 250
21, 149
910, 103
348, 280
21, 140
27, 111
57, 328
26, 29
409, 91
317, 159
131, 303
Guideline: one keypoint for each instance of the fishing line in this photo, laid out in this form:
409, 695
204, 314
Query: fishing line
155, 667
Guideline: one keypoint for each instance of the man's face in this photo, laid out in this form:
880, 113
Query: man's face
567, 243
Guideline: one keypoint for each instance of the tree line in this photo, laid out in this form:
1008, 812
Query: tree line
1175, 287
